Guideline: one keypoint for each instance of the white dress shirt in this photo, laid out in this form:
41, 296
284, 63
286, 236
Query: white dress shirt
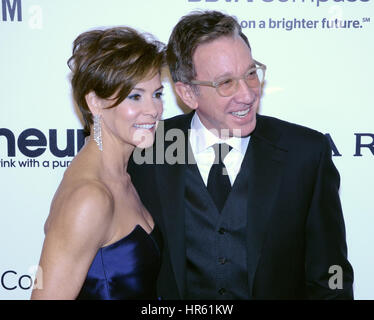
202, 140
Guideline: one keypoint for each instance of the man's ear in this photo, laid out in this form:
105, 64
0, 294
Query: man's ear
186, 94
93, 102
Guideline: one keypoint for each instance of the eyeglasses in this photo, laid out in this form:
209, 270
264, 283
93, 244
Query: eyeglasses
254, 78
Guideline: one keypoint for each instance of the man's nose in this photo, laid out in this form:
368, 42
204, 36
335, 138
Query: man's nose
245, 93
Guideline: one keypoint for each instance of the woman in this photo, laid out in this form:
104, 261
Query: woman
101, 243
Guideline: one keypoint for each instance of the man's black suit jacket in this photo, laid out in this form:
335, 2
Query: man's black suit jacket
296, 246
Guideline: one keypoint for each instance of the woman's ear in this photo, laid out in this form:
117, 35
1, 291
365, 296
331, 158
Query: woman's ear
93, 102
186, 94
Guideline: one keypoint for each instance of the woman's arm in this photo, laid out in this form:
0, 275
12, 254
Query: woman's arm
78, 228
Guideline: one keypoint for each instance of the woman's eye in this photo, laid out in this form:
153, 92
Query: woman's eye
135, 97
158, 95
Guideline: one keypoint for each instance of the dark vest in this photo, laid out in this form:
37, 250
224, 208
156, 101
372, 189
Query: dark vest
216, 242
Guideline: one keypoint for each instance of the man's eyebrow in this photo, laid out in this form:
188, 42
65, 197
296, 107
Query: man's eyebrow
229, 74
253, 65
224, 75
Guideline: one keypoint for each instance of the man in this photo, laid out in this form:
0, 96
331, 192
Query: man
264, 221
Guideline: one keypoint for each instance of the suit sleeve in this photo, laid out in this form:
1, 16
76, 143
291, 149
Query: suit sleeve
329, 275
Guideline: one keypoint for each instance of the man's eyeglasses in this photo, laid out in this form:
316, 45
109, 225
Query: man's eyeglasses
254, 78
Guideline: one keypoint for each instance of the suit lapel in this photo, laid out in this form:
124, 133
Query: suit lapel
265, 162
170, 180
171, 183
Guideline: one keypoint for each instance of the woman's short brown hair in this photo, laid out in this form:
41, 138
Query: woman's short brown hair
194, 29
112, 61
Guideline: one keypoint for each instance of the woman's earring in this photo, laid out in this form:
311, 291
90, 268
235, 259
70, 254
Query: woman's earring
97, 131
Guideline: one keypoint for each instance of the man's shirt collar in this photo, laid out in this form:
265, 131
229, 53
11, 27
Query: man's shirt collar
201, 138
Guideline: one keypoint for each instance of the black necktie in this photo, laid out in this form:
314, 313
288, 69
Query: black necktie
219, 185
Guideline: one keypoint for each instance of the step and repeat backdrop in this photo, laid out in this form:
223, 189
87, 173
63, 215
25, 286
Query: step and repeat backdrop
319, 55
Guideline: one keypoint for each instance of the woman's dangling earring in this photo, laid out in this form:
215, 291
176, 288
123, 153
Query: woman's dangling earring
97, 131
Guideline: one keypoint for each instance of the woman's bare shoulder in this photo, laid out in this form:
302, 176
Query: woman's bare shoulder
91, 193
81, 209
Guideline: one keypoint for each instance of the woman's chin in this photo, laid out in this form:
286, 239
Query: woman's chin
144, 138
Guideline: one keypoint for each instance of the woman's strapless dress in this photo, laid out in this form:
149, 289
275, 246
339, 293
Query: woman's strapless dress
126, 269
